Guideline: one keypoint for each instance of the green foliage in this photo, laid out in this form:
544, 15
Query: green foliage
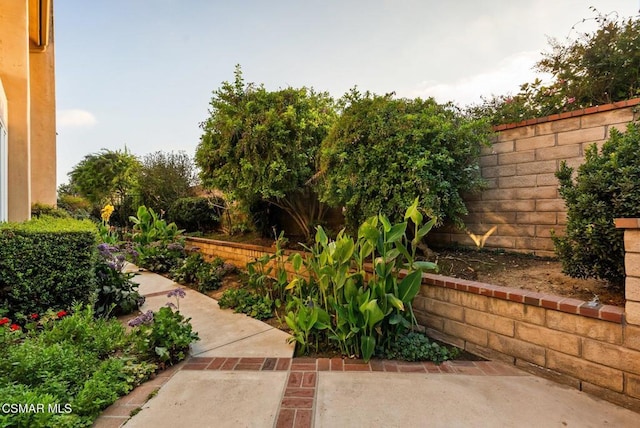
46, 262
262, 145
163, 178
605, 188
106, 177
336, 301
38, 210
116, 293
72, 360
414, 346
163, 336
159, 246
595, 68
247, 302
384, 152
204, 276
197, 213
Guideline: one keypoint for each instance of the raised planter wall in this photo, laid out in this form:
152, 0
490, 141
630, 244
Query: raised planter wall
593, 349
522, 198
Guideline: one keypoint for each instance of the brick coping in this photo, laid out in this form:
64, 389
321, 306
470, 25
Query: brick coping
567, 114
569, 305
297, 405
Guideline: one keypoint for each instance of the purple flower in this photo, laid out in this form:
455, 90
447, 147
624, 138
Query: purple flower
145, 318
178, 293
171, 305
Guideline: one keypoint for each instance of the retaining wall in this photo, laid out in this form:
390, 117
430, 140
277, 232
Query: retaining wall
521, 198
593, 349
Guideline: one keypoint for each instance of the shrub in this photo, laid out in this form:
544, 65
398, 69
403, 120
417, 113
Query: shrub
605, 188
247, 302
383, 152
117, 294
197, 214
46, 262
200, 274
158, 245
164, 336
414, 346
38, 210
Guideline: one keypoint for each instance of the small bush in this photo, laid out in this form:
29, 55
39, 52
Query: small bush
246, 302
196, 272
46, 262
117, 294
414, 346
197, 214
39, 210
605, 188
164, 336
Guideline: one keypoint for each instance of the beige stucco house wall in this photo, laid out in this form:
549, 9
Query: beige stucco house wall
27, 75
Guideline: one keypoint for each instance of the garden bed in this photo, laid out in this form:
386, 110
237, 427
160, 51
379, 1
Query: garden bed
515, 270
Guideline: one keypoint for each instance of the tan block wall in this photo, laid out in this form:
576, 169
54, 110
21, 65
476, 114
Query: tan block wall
522, 197
563, 339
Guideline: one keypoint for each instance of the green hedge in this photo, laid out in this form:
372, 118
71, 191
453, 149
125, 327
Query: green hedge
46, 263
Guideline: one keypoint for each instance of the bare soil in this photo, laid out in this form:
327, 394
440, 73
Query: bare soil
524, 272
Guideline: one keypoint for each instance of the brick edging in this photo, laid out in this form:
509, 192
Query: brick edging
298, 403
567, 114
532, 298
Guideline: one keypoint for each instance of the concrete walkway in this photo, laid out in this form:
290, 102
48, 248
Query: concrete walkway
242, 374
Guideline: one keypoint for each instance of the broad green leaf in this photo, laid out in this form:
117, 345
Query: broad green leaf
409, 286
395, 302
396, 319
292, 284
372, 312
367, 346
413, 213
321, 237
426, 228
386, 224
369, 232
296, 261
397, 232
425, 266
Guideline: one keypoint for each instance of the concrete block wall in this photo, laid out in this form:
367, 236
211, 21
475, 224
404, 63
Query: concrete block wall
589, 348
521, 198
593, 349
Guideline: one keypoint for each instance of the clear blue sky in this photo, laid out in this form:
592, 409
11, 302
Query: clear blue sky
140, 72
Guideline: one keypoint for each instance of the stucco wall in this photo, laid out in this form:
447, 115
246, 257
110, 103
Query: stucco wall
521, 198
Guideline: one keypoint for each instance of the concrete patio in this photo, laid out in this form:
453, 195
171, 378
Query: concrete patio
242, 374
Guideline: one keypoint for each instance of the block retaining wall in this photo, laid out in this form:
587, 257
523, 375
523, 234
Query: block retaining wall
593, 349
521, 198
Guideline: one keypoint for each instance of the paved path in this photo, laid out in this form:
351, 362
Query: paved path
242, 374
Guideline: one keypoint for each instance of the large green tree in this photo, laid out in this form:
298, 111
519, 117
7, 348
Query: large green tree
165, 177
105, 177
260, 145
383, 153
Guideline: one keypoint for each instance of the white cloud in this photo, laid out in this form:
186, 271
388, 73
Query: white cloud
505, 78
75, 118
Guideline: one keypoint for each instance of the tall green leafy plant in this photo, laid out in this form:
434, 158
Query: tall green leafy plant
358, 293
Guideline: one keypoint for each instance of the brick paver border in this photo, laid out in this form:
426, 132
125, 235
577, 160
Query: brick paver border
297, 406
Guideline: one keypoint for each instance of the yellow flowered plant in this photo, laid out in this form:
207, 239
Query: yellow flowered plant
106, 212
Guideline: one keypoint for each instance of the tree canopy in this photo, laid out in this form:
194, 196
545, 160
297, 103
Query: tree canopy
594, 68
165, 177
383, 152
105, 177
260, 145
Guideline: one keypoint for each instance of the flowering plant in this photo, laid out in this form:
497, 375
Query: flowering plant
165, 335
117, 293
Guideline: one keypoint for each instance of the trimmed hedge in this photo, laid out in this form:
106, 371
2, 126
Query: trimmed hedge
46, 263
